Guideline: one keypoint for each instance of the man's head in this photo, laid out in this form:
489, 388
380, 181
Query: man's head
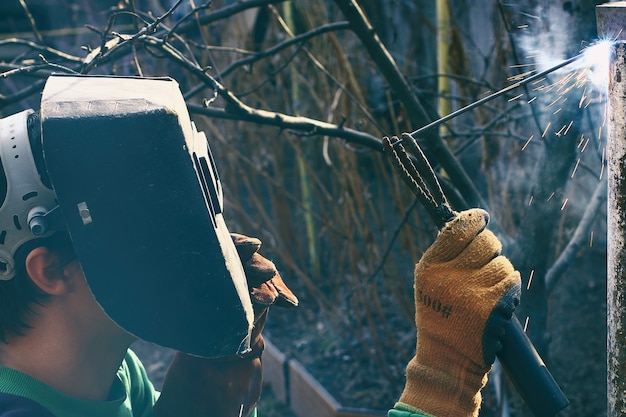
28, 201
21, 143
124, 172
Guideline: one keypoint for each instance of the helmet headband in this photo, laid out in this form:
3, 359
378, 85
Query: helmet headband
27, 201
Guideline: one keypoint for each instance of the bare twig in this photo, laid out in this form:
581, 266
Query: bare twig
31, 20
237, 110
283, 121
322, 68
34, 68
419, 116
22, 94
41, 48
581, 235
226, 12
105, 51
184, 19
331, 27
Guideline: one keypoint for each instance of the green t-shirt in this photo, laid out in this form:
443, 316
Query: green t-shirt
132, 393
405, 410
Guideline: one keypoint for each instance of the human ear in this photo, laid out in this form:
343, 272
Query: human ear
45, 270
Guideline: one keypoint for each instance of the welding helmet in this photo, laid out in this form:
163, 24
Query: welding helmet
134, 185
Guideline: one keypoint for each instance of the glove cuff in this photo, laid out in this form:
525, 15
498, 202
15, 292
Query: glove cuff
443, 383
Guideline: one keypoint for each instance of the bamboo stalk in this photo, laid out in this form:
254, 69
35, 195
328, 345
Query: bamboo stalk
443, 47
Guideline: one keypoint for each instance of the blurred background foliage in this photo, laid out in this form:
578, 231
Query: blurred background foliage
337, 220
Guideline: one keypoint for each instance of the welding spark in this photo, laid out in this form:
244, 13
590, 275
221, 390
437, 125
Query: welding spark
568, 127
585, 145
565, 128
597, 57
601, 172
603, 162
583, 96
527, 142
589, 58
575, 168
521, 65
521, 76
530, 279
594, 63
530, 79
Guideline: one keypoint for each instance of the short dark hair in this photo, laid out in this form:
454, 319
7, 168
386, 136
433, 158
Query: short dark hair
20, 294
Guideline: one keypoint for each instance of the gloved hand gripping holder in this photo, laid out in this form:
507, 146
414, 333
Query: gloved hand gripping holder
518, 356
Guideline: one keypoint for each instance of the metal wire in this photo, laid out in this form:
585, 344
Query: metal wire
497, 94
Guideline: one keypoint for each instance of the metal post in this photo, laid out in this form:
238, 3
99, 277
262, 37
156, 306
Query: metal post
611, 20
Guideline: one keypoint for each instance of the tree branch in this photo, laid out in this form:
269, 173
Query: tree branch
237, 110
225, 12
41, 48
331, 27
418, 115
284, 121
579, 238
22, 94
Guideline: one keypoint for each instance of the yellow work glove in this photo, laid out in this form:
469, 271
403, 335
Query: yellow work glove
465, 292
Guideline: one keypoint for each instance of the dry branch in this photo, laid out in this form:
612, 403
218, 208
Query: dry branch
419, 116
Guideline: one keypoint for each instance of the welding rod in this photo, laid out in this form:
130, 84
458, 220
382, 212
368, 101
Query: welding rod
497, 94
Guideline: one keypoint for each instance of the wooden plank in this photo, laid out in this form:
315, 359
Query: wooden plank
274, 371
294, 386
307, 397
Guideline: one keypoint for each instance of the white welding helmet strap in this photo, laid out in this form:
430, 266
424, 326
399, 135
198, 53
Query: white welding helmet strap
27, 199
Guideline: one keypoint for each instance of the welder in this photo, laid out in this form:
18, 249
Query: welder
112, 229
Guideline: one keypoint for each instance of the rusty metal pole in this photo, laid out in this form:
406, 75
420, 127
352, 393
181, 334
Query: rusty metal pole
611, 20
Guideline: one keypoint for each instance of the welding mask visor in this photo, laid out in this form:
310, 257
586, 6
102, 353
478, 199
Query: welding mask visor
142, 202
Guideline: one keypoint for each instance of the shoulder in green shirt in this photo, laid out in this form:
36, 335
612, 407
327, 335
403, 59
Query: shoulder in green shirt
132, 393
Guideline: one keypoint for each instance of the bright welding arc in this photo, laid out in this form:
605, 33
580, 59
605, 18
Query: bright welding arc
498, 94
